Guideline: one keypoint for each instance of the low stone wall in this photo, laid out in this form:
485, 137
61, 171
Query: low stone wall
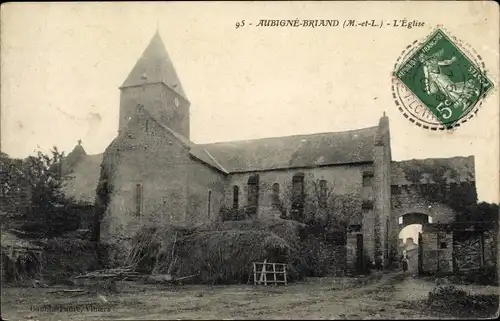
324, 258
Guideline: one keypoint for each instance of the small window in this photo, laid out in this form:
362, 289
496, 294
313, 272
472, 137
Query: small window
236, 196
443, 245
323, 193
400, 220
354, 228
138, 199
395, 190
367, 204
367, 178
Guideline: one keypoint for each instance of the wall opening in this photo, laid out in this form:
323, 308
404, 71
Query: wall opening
253, 193
323, 193
209, 203
409, 236
138, 199
276, 195
298, 195
236, 196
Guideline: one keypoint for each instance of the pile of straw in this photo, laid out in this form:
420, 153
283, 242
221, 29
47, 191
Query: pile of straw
227, 256
215, 253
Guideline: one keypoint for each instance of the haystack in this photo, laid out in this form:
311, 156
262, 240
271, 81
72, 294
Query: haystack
215, 253
227, 256
154, 246
286, 229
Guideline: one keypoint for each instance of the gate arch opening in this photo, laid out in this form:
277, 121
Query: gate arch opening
410, 225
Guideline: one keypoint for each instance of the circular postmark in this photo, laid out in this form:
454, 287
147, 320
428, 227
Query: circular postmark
439, 83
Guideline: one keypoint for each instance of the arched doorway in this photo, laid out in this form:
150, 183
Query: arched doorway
410, 225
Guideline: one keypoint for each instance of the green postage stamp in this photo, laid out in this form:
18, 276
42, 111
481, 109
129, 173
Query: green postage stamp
444, 79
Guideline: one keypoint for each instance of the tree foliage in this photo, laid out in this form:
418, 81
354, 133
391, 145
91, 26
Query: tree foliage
326, 213
32, 193
441, 183
480, 212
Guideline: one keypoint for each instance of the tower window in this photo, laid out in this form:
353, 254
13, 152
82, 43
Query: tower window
138, 199
236, 196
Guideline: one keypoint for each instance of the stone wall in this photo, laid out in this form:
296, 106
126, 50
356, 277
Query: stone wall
491, 248
382, 198
406, 199
160, 103
148, 155
342, 180
437, 250
206, 193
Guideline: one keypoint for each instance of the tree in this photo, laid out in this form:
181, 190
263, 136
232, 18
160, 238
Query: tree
32, 191
326, 215
12, 185
325, 212
480, 212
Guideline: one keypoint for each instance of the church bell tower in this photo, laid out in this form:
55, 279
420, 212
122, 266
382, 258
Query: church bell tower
154, 84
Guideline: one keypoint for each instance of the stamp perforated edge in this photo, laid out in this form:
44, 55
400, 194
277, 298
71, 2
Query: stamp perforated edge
475, 58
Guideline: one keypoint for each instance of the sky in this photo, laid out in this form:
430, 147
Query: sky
62, 64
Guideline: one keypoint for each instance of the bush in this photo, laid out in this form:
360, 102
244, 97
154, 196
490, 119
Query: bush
448, 299
484, 276
65, 258
232, 214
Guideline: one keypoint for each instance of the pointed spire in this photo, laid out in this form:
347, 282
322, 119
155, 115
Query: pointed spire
155, 66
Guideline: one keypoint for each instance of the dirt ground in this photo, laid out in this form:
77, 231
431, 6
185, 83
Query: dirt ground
378, 297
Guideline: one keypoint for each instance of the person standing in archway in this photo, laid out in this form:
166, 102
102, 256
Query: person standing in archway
404, 263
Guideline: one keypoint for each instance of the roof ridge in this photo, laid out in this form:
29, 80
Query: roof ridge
289, 136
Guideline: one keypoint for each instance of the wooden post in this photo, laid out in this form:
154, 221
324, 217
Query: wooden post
254, 274
263, 277
481, 247
284, 272
274, 272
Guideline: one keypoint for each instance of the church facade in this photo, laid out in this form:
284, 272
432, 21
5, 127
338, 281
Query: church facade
158, 175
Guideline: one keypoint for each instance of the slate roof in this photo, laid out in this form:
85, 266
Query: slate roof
156, 65
354, 146
462, 166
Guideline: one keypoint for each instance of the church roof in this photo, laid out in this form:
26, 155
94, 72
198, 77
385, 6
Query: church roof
84, 178
155, 66
354, 146
73, 158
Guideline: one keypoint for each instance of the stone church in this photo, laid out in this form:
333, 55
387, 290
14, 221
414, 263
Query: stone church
158, 175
